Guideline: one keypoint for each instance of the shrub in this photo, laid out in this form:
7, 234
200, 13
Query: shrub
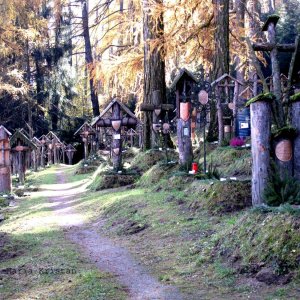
236, 142
282, 190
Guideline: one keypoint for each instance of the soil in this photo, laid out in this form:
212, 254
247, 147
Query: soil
102, 251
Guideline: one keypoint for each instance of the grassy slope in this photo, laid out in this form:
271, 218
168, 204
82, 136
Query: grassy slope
35, 244
180, 244
182, 241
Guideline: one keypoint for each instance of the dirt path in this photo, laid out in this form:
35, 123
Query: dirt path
102, 251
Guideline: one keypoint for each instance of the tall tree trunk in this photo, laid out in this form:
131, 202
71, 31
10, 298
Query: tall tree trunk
154, 65
89, 57
221, 55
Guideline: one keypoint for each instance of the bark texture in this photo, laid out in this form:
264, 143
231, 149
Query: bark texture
89, 57
154, 65
260, 148
296, 124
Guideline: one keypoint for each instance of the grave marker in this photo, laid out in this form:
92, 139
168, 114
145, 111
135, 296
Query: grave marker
5, 173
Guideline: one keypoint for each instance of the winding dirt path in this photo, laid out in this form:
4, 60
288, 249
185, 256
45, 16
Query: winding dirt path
100, 250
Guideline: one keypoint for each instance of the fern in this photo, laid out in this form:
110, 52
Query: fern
282, 190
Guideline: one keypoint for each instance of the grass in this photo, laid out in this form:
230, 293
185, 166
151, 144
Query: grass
184, 246
37, 261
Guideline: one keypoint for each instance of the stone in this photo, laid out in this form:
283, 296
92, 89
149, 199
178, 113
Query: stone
267, 275
1, 218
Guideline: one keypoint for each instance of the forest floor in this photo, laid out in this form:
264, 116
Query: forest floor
68, 242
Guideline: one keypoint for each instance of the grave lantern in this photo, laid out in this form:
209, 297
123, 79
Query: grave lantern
21, 147
116, 116
5, 173
184, 85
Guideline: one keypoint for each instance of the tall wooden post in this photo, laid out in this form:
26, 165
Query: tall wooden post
5, 173
117, 141
260, 112
296, 125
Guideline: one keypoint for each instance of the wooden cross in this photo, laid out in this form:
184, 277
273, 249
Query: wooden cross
116, 121
70, 150
85, 131
273, 47
21, 147
158, 109
5, 174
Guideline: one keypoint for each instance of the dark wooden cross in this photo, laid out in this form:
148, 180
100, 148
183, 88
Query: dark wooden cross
21, 148
226, 87
120, 116
273, 47
86, 131
70, 150
44, 142
184, 84
5, 174
158, 109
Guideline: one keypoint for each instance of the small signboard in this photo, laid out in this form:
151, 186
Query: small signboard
117, 136
244, 125
186, 131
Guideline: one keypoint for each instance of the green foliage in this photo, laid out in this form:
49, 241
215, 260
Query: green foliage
282, 190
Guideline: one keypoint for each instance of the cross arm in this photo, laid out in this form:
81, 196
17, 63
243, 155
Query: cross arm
151, 107
270, 47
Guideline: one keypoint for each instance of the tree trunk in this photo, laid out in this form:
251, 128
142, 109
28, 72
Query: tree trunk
278, 108
89, 57
154, 65
221, 55
260, 148
296, 124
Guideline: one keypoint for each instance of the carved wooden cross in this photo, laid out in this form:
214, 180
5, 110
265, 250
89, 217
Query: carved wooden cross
158, 109
273, 47
120, 116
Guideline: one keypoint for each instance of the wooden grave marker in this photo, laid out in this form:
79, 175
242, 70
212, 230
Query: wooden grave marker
115, 116
86, 132
5, 172
21, 147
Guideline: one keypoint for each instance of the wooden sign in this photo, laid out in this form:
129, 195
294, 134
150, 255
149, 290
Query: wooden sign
185, 111
116, 124
284, 150
203, 97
